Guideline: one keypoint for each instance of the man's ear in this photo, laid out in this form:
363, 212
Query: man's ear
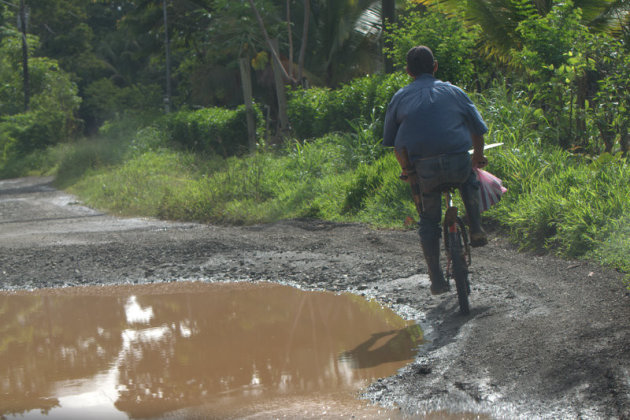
435, 66
409, 72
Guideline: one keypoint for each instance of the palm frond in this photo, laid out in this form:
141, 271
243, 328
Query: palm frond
369, 23
614, 19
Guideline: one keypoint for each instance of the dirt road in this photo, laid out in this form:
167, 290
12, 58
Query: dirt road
546, 338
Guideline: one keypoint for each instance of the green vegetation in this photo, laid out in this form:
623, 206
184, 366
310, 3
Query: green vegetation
455, 62
212, 130
312, 179
550, 78
317, 111
567, 203
49, 118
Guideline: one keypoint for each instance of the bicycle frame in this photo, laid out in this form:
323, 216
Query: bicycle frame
451, 225
457, 251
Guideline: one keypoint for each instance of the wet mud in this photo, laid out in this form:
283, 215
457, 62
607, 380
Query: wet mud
546, 338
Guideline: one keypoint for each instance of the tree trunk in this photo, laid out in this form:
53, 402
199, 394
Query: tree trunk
26, 80
281, 94
290, 35
607, 135
624, 141
388, 15
580, 116
273, 50
307, 18
167, 49
246, 82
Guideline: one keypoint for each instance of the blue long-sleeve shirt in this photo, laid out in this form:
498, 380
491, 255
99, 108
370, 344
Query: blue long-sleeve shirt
431, 117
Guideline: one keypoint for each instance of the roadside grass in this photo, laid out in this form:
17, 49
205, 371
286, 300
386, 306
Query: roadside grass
613, 251
560, 202
135, 187
87, 155
572, 205
312, 179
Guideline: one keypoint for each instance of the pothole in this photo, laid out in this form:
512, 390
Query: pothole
182, 350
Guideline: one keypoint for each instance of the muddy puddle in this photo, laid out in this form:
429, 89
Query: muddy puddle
195, 350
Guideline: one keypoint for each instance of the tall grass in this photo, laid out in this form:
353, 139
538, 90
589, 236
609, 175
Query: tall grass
572, 205
302, 180
136, 186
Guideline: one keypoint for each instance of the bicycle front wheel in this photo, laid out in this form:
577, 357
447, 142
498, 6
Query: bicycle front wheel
459, 269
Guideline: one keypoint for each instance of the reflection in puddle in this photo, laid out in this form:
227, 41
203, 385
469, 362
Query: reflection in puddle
194, 350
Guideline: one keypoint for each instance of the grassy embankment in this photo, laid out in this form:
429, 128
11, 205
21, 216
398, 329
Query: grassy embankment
571, 205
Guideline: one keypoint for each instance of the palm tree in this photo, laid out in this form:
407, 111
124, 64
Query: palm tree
346, 40
340, 39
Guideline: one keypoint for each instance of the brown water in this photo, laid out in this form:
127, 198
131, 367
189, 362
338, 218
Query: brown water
195, 350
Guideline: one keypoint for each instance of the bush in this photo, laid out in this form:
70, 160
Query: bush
50, 118
126, 126
147, 139
577, 78
568, 204
318, 111
211, 130
23, 134
453, 44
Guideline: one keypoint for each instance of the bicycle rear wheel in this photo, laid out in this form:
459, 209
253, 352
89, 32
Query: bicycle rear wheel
459, 269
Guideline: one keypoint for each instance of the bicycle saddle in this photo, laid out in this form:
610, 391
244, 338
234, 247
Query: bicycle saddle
447, 187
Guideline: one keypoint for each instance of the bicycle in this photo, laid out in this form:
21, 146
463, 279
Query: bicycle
455, 235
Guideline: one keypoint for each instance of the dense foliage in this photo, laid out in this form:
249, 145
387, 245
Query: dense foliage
317, 111
50, 117
452, 43
577, 79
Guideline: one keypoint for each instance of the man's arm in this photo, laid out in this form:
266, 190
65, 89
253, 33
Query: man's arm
479, 160
405, 165
409, 175
390, 127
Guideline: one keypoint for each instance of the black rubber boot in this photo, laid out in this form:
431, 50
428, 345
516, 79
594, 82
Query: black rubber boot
471, 199
431, 250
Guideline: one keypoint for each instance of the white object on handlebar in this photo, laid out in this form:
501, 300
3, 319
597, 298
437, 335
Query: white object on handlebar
487, 146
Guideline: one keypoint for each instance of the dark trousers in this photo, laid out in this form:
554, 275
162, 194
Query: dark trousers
432, 174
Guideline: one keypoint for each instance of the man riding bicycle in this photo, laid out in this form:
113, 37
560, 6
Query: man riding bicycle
437, 123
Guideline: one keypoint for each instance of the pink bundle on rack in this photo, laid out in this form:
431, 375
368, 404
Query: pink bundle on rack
491, 189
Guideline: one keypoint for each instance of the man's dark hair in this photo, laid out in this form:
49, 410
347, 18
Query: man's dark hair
420, 60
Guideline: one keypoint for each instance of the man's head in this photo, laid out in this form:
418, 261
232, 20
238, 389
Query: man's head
420, 60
